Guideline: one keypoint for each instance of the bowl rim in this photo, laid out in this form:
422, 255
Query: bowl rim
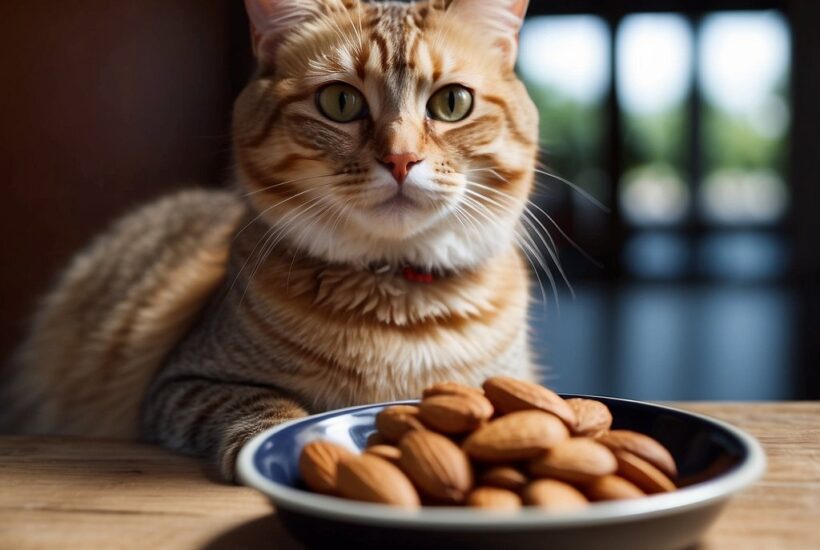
694, 496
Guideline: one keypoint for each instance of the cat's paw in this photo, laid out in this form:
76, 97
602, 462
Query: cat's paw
228, 454
237, 435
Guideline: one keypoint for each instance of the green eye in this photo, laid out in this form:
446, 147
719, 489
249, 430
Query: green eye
341, 102
451, 103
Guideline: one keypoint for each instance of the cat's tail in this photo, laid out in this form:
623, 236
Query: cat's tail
115, 314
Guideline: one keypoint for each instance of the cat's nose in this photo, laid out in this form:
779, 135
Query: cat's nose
400, 164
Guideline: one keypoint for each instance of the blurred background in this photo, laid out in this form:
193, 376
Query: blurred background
680, 143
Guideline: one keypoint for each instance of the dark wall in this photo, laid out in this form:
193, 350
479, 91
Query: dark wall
104, 104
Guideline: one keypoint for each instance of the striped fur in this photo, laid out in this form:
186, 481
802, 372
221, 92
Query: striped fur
207, 317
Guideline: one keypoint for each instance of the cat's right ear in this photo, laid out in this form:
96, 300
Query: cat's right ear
271, 20
500, 20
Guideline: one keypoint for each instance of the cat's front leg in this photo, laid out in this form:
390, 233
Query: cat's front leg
213, 418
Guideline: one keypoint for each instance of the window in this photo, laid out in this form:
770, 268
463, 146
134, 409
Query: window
680, 123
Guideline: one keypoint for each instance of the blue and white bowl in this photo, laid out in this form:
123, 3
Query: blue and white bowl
715, 460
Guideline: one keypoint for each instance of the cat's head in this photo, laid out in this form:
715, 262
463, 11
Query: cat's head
387, 131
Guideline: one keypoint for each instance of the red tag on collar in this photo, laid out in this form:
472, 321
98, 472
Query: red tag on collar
414, 276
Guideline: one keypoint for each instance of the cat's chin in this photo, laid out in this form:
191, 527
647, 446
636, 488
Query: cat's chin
398, 238
397, 219
399, 213
398, 205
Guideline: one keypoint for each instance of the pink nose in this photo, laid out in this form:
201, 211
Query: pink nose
400, 164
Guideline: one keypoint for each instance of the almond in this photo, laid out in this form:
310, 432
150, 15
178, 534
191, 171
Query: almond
577, 460
376, 439
393, 422
553, 495
493, 498
510, 395
643, 447
594, 418
643, 474
517, 436
372, 479
612, 487
504, 477
455, 414
318, 465
388, 452
451, 388
436, 465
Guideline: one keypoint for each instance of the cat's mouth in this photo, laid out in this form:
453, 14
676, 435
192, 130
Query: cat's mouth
398, 203
401, 215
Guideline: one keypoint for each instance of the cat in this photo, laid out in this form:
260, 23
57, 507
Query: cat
384, 153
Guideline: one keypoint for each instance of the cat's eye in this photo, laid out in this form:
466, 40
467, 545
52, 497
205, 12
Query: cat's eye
341, 103
451, 104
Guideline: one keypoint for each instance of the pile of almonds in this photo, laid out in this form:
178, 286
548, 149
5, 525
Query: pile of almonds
513, 443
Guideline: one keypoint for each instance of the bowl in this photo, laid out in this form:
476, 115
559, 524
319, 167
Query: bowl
715, 461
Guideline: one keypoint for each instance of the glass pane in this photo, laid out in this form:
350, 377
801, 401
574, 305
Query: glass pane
744, 74
742, 256
657, 255
654, 76
565, 63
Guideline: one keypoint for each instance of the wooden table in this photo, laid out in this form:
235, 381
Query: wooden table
83, 494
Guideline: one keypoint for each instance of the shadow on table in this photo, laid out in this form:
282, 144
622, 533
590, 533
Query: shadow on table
265, 532
268, 532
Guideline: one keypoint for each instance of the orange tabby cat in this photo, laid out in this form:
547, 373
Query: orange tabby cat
384, 154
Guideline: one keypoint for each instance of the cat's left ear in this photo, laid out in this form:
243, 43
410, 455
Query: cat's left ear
272, 20
501, 18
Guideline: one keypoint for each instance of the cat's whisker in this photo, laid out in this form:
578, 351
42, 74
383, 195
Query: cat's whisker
297, 180
267, 232
524, 248
530, 251
247, 259
474, 223
343, 212
263, 241
487, 216
540, 187
356, 27
569, 239
275, 238
334, 23
457, 213
272, 238
285, 227
577, 189
280, 203
551, 248
298, 241
530, 245
528, 255
552, 251
492, 171
530, 203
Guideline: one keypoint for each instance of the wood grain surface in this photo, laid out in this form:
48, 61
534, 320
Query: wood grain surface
78, 494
